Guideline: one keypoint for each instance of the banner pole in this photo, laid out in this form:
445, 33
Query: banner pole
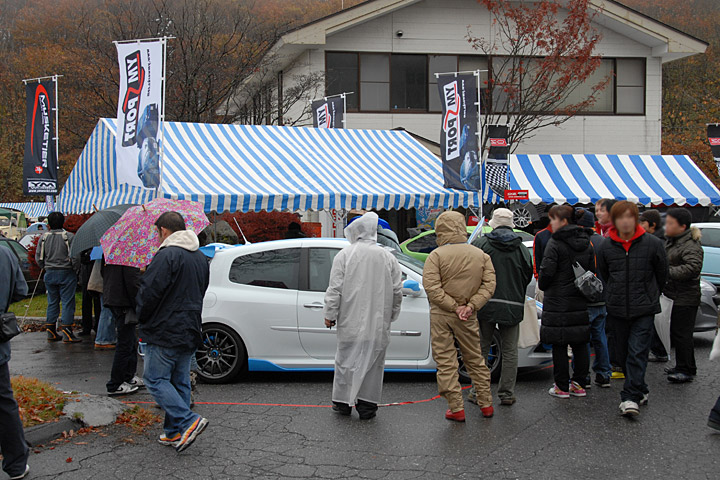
344, 98
57, 108
481, 149
162, 118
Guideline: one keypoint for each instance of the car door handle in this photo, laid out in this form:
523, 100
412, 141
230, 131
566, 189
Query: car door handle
314, 305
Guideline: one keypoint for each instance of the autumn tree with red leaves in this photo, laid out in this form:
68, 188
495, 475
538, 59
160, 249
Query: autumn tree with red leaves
541, 53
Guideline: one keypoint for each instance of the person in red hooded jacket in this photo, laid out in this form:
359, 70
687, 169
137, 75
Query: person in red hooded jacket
634, 266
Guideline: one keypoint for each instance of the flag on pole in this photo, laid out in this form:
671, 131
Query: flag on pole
496, 168
139, 109
458, 131
40, 159
328, 112
713, 132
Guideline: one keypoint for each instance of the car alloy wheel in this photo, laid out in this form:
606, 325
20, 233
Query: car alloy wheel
494, 361
221, 356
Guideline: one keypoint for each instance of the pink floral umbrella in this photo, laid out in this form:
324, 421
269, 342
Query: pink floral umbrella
133, 240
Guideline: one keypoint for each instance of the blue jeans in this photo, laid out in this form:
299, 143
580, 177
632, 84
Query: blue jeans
106, 332
61, 285
598, 340
167, 377
633, 346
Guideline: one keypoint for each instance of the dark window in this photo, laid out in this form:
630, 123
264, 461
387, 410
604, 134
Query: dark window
424, 244
438, 64
710, 237
374, 82
321, 260
342, 76
409, 82
272, 269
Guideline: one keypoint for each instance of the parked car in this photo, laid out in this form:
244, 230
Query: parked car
22, 255
420, 246
710, 276
263, 312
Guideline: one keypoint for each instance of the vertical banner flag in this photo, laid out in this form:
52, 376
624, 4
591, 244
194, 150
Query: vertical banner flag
40, 162
138, 115
328, 113
496, 168
713, 131
458, 132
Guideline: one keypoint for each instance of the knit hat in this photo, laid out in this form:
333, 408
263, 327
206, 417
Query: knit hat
501, 217
587, 219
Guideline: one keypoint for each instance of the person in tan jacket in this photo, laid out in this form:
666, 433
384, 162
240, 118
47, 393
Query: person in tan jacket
459, 279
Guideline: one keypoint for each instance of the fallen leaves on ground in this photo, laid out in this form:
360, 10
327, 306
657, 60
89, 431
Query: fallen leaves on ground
38, 401
138, 419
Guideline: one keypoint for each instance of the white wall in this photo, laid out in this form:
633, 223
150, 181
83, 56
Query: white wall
440, 26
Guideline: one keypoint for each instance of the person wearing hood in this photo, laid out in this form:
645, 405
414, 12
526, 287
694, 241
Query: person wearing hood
633, 265
504, 311
685, 259
565, 319
363, 298
459, 279
169, 306
597, 313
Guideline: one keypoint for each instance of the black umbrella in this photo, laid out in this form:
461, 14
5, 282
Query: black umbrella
88, 235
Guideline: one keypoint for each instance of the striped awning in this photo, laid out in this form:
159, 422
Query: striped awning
644, 179
257, 167
92, 185
30, 209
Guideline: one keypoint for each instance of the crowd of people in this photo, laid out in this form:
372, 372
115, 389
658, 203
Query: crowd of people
475, 291
472, 292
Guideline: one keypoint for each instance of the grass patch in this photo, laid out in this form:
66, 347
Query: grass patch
38, 401
38, 306
138, 419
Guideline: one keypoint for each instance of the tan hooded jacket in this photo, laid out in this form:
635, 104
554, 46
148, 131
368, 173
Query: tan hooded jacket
457, 273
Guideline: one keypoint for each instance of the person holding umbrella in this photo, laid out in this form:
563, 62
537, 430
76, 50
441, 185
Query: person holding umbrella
169, 306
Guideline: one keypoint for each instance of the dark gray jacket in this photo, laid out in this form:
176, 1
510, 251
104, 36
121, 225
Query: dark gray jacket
685, 257
53, 251
12, 288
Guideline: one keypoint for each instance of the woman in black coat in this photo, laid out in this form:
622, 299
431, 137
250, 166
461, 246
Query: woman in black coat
565, 318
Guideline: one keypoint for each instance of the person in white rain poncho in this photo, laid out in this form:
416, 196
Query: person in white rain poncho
362, 299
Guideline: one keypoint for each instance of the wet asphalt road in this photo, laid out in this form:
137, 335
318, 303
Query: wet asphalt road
540, 437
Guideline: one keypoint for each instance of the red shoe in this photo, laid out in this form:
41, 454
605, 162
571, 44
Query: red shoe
457, 416
487, 412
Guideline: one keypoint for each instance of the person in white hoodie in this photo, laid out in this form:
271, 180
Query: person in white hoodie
169, 306
363, 297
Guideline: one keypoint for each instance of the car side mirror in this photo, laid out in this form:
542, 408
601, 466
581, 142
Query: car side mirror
411, 288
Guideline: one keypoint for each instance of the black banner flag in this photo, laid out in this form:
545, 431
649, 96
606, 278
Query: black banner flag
328, 113
496, 168
713, 132
458, 132
40, 163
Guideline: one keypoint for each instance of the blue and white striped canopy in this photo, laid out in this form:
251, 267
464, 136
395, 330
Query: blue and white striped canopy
644, 179
92, 185
30, 209
256, 167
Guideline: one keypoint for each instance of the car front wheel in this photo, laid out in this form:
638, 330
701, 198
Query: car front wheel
222, 355
494, 362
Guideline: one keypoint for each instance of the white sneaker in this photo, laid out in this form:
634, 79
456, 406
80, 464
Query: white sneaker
644, 400
137, 382
22, 475
628, 408
124, 389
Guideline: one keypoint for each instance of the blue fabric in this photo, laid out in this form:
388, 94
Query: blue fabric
61, 285
264, 167
106, 332
167, 378
30, 209
598, 340
645, 179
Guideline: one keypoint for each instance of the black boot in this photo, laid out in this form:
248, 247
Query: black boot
342, 408
68, 336
52, 333
366, 410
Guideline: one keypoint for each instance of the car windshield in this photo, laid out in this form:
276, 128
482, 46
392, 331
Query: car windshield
4, 222
412, 263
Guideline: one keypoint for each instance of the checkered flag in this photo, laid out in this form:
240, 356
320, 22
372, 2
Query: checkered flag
496, 176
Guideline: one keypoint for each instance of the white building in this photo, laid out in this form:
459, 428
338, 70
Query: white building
388, 50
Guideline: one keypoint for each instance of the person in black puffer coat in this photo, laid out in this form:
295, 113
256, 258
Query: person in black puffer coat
634, 266
565, 316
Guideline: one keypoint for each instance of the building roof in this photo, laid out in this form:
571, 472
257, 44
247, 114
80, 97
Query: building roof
667, 42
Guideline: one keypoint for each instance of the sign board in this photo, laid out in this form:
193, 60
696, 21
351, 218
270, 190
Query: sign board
516, 195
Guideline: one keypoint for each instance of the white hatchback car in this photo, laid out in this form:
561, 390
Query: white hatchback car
263, 311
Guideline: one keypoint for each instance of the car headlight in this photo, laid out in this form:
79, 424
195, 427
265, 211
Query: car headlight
707, 288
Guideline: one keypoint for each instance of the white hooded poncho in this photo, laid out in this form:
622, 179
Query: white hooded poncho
364, 296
